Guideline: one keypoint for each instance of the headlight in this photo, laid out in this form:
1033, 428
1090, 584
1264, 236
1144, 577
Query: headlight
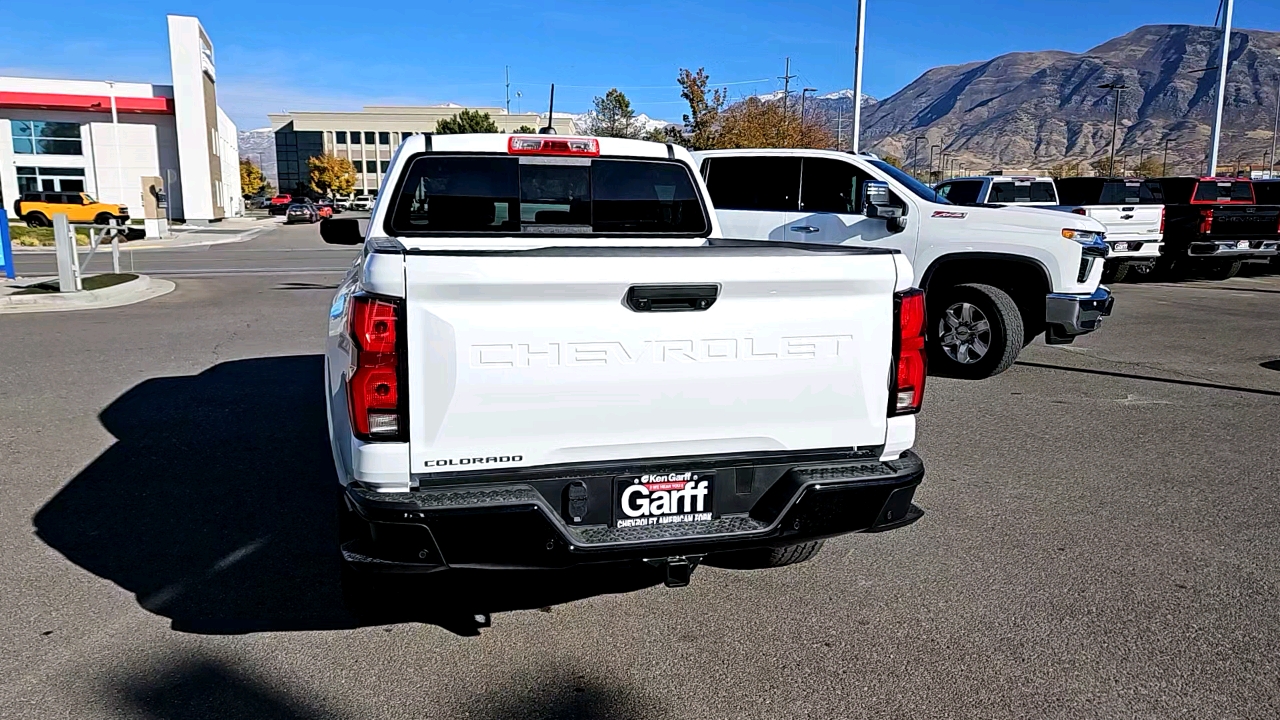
1084, 237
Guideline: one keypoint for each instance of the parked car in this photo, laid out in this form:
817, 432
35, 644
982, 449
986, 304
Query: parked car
361, 203
302, 212
473, 427
999, 190
1130, 211
341, 204
1267, 192
1213, 225
38, 209
326, 207
996, 277
280, 203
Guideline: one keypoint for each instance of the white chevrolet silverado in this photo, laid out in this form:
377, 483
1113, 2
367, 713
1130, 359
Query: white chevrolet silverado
546, 355
995, 277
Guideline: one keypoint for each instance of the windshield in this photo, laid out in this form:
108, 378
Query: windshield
505, 195
920, 189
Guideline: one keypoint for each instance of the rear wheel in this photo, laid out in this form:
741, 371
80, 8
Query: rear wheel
35, 219
1223, 270
975, 331
761, 558
104, 219
1114, 272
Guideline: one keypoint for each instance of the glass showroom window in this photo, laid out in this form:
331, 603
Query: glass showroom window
36, 179
35, 137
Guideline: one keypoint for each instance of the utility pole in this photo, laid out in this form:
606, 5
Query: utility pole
115, 136
839, 126
933, 147
1115, 122
786, 88
1275, 126
1216, 133
915, 154
508, 77
1164, 166
857, 74
1140, 154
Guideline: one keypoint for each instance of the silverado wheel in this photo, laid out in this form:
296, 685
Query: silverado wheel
1223, 270
975, 331
1114, 272
761, 558
36, 219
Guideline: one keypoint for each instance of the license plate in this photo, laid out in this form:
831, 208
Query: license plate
1121, 247
1243, 245
663, 498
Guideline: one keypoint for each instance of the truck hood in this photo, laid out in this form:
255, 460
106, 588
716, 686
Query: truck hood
1034, 218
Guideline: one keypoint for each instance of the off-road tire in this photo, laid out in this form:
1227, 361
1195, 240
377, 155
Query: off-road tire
1006, 329
103, 219
35, 219
762, 558
1223, 270
1114, 272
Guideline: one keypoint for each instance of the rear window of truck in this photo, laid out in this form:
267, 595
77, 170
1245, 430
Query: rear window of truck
1015, 192
1210, 191
498, 195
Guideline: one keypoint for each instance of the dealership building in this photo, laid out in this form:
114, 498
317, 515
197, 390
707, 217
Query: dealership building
367, 138
112, 139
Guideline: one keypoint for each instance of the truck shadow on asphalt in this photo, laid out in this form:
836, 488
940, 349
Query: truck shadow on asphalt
217, 508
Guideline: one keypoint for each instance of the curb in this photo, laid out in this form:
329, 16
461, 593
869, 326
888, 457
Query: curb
154, 244
134, 291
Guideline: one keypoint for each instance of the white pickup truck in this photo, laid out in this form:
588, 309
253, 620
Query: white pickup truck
995, 277
1131, 212
547, 355
1000, 190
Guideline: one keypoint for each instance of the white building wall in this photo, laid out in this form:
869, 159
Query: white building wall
189, 111
229, 155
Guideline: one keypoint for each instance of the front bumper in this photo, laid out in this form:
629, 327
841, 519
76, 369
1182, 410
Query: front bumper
528, 524
1067, 316
1234, 249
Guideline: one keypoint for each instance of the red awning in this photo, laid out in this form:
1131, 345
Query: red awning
86, 103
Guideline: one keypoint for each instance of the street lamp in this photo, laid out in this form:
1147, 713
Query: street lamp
1115, 121
1275, 126
1164, 166
915, 153
804, 92
942, 165
933, 147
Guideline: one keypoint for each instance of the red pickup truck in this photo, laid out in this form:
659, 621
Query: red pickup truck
280, 204
1213, 225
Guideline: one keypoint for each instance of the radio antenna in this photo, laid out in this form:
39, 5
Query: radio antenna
551, 108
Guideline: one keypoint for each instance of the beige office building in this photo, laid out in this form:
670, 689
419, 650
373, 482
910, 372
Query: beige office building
368, 137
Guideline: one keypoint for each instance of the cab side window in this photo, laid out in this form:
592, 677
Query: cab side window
833, 186
961, 192
753, 183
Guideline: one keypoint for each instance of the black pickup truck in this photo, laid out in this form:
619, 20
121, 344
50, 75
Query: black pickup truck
1213, 225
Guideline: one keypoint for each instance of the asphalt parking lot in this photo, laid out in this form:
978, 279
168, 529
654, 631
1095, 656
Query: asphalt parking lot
1099, 541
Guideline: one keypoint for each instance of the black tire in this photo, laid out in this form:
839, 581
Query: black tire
1114, 272
762, 558
35, 219
1223, 270
103, 219
1004, 332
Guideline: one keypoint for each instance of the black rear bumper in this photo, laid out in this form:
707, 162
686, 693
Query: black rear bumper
518, 524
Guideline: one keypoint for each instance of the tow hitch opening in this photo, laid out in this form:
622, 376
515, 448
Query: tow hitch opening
679, 568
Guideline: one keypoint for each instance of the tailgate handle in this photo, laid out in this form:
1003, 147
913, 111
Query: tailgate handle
671, 298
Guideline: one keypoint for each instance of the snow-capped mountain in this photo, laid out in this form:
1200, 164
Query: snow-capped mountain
581, 121
845, 95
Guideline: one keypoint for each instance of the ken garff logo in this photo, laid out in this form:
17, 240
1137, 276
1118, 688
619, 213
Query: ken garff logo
649, 352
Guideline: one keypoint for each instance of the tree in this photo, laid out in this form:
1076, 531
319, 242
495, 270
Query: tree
526, 130
701, 122
268, 190
893, 160
668, 134
1102, 167
1151, 166
1062, 169
467, 121
613, 117
754, 123
251, 178
331, 175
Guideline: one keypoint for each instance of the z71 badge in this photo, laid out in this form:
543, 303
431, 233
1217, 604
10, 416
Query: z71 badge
951, 214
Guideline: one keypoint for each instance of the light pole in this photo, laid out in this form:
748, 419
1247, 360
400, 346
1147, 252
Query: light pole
1275, 126
1265, 154
1164, 166
933, 147
915, 153
803, 93
1115, 122
1216, 133
115, 137
857, 74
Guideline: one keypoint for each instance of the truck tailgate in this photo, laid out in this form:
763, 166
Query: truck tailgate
533, 358
1245, 221
1129, 222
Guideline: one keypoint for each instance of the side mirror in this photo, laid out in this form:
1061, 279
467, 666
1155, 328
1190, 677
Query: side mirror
341, 232
878, 202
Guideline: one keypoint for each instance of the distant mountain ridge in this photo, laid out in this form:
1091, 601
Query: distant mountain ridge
1033, 109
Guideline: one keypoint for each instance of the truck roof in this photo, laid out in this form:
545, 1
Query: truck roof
499, 143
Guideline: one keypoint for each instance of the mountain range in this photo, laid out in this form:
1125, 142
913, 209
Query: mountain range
1032, 109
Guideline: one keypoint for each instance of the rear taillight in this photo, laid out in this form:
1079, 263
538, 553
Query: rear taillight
551, 145
1206, 220
374, 392
907, 386
1079, 211
1161, 219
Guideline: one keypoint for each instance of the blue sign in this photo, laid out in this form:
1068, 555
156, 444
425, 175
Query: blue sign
6, 250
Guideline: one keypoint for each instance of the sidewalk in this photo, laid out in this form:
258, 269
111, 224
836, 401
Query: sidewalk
231, 230
140, 288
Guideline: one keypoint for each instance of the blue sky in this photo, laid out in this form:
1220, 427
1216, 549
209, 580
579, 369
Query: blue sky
333, 56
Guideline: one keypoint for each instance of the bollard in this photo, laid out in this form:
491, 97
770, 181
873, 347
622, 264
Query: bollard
64, 242
6, 250
115, 254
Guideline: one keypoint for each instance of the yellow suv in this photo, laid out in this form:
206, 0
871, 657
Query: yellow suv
38, 209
